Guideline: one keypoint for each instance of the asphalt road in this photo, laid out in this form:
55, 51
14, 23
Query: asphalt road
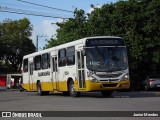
120, 101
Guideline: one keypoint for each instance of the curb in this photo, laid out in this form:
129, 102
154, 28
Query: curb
3, 89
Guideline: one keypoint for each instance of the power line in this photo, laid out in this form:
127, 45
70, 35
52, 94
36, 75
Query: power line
35, 7
21, 6
44, 6
35, 12
26, 12
28, 7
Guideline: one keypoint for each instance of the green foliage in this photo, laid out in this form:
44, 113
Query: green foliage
73, 28
15, 43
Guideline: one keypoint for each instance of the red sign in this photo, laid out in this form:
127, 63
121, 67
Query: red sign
2, 81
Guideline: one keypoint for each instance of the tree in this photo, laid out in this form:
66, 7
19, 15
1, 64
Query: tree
15, 43
71, 29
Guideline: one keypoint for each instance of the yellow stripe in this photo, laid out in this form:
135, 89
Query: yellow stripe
47, 86
90, 86
93, 86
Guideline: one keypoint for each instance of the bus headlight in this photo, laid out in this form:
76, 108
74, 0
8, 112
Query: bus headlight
125, 77
93, 79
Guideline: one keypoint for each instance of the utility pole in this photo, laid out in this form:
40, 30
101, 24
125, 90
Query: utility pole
38, 36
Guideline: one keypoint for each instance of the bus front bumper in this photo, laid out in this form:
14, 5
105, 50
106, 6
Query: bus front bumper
99, 86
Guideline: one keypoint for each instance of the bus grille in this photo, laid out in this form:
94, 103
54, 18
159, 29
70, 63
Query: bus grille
110, 85
110, 75
110, 80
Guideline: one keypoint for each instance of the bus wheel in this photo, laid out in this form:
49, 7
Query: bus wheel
39, 89
72, 90
106, 93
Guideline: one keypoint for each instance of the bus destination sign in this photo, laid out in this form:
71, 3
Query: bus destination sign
104, 42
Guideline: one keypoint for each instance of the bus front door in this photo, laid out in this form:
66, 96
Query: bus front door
54, 73
80, 69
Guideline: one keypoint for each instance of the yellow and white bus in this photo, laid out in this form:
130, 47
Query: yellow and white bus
89, 64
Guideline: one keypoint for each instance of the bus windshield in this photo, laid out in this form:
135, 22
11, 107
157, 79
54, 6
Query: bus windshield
106, 59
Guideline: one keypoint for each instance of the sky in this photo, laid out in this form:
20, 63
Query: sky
43, 26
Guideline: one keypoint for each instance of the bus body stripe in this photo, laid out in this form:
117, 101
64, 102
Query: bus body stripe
90, 86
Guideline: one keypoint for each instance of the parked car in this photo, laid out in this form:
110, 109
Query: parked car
152, 82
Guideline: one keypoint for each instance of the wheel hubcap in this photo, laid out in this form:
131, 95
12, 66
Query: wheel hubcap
73, 89
38, 89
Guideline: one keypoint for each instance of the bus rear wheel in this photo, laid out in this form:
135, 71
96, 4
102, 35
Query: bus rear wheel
72, 90
39, 90
106, 93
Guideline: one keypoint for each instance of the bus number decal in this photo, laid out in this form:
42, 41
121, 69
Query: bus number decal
44, 73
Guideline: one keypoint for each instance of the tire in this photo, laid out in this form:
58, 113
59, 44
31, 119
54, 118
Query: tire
72, 90
106, 93
39, 89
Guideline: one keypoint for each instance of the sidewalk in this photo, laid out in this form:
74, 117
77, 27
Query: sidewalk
3, 88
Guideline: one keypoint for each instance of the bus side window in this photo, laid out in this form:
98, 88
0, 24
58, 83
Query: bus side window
62, 57
70, 55
37, 62
45, 61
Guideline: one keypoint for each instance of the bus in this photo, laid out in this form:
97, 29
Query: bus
90, 64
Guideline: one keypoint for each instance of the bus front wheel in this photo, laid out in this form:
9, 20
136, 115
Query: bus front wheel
106, 93
72, 90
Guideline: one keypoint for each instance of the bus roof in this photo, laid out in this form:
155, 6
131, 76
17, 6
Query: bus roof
69, 44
